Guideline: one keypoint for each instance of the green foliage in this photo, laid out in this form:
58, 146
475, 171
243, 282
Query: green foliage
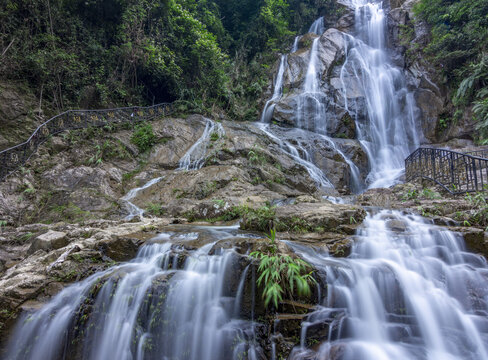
98, 53
281, 274
255, 156
26, 237
479, 214
143, 137
214, 136
261, 218
155, 209
424, 194
459, 41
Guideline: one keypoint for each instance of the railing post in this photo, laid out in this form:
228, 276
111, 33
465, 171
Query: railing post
452, 167
475, 174
433, 164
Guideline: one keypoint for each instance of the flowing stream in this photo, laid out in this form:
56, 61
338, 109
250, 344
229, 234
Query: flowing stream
194, 159
409, 290
195, 156
167, 303
133, 209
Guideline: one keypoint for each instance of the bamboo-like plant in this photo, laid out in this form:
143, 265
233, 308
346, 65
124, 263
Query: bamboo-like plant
281, 274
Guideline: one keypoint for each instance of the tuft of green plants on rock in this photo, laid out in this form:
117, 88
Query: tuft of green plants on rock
155, 209
143, 137
479, 214
281, 274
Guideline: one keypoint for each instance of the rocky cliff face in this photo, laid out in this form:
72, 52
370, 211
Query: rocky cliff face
408, 37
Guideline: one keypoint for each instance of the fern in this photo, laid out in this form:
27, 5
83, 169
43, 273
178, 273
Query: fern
281, 274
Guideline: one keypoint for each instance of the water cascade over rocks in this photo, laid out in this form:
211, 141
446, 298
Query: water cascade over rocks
167, 303
351, 88
386, 125
310, 112
408, 290
277, 92
134, 210
195, 157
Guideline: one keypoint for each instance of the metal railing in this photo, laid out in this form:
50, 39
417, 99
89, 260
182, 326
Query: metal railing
456, 172
13, 158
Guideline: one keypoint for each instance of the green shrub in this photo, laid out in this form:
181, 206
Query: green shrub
143, 137
155, 209
281, 274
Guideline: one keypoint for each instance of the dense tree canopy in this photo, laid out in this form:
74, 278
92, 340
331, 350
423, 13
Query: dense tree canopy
93, 53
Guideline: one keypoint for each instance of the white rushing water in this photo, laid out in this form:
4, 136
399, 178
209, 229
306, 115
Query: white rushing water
133, 209
318, 26
409, 290
300, 154
277, 92
194, 158
385, 116
158, 306
311, 114
389, 133
294, 48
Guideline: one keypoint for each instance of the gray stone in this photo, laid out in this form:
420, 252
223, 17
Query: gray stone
49, 241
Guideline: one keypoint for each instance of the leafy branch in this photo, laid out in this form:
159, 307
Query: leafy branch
281, 274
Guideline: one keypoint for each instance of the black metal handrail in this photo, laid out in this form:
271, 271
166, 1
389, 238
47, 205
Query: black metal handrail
12, 158
456, 172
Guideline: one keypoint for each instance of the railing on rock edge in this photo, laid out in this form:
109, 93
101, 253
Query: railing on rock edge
456, 172
11, 159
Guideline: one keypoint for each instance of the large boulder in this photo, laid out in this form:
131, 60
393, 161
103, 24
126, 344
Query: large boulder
49, 241
319, 216
298, 109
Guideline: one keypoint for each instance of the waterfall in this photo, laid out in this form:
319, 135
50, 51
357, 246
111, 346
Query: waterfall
318, 26
133, 209
389, 132
194, 158
294, 48
409, 290
157, 306
300, 155
311, 113
277, 92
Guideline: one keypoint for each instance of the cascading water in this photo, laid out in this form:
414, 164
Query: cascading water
408, 290
318, 26
192, 160
158, 306
311, 113
389, 132
133, 209
195, 156
302, 157
294, 48
277, 92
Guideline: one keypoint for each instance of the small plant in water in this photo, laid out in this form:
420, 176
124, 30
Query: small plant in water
280, 274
